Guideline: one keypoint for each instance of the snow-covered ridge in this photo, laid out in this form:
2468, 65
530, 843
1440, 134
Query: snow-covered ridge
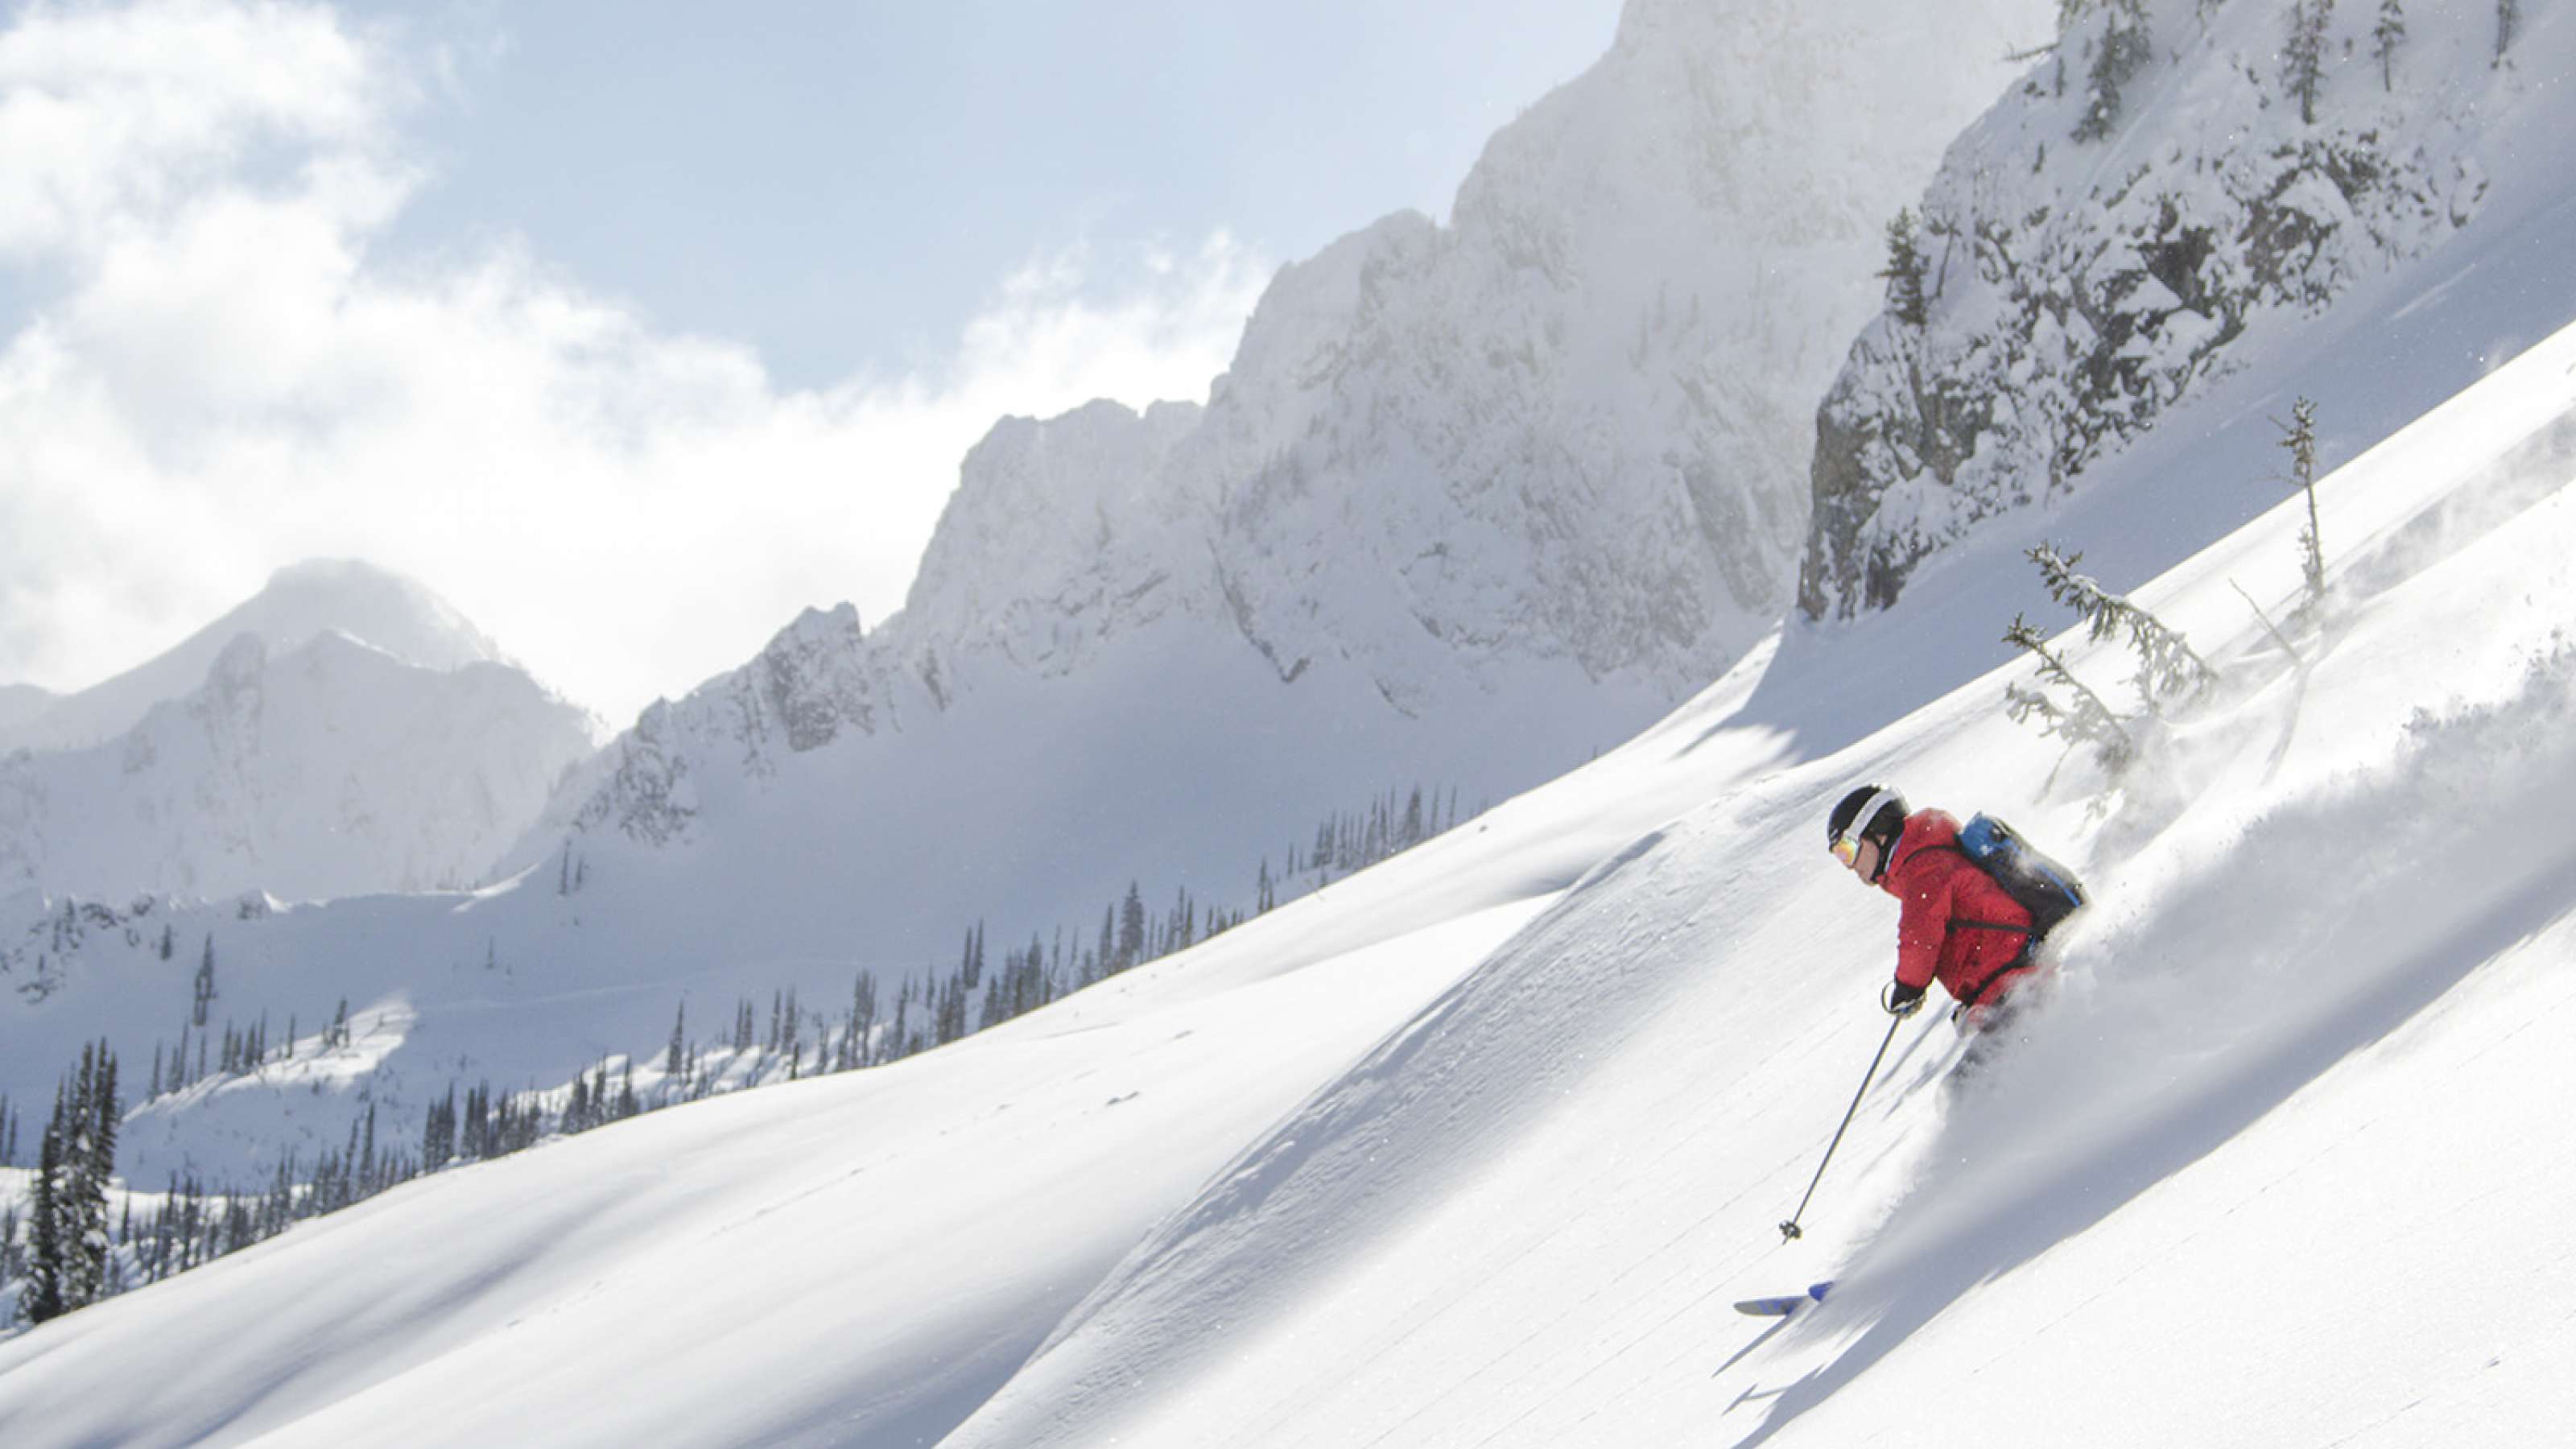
2074, 289
1552, 452
326, 769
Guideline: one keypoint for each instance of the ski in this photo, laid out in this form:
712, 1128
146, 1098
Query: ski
1781, 1307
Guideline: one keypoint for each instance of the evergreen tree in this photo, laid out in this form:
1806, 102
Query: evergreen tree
2088, 721
42, 1298
679, 1023
205, 990
2385, 37
1904, 270
1131, 928
863, 1017
2121, 50
2303, 54
71, 1246
2508, 25
2169, 667
438, 1134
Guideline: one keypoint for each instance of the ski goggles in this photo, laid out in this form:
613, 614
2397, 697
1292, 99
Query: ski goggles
1846, 846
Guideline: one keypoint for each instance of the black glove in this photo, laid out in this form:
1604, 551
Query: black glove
1900, 999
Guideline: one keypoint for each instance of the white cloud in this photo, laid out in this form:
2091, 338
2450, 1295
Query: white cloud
222, 376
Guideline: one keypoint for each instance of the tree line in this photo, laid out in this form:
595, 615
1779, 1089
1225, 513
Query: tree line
72, 1250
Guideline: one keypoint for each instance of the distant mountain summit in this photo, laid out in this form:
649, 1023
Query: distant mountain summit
351, 734
390, 612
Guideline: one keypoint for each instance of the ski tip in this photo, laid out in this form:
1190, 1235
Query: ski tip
1817, 1291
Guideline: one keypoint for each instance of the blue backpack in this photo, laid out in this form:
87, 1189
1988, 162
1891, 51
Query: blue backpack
2039, 885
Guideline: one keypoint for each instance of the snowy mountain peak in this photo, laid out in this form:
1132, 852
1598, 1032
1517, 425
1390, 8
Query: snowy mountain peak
393, 613
330, 768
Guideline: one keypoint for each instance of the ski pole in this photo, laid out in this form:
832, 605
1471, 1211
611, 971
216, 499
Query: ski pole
1789, 1230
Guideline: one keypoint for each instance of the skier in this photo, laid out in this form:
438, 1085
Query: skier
1958, 926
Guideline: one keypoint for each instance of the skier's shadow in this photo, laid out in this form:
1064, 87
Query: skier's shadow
1765, 1336
2091, 1185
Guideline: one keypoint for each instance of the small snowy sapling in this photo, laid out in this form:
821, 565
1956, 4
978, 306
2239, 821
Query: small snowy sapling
2170, 671
2299, 440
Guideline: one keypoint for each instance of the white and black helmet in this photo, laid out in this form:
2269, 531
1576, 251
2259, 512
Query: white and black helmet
1872, 812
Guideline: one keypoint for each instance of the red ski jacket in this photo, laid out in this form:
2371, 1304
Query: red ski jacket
1948, 929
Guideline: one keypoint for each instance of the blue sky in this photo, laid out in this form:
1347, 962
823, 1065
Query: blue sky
839, 184
634, 329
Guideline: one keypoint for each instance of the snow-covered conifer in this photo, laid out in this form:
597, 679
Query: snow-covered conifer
1131, 928
2303, 54
2170, 668
205, 988
1904, 274
42, 1298
2385, 37
2121, 50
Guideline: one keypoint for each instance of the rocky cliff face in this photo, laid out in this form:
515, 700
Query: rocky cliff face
2074, 289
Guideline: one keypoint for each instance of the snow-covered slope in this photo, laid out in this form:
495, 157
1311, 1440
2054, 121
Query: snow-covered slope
1472, 502
319, 596
2301, 1044
332, 768
2097, 248
1522, 1218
